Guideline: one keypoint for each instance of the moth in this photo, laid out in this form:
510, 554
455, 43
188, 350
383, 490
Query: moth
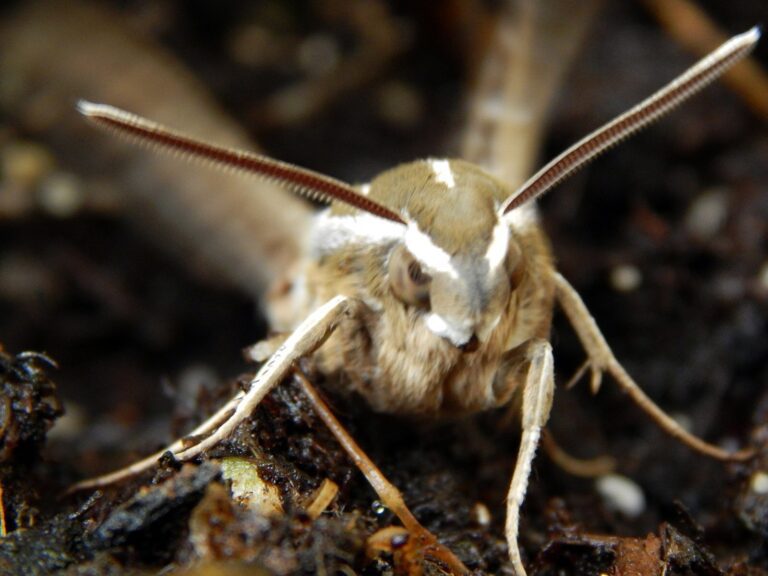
431, 289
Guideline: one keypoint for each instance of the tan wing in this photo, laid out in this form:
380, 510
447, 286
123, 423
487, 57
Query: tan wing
62, 50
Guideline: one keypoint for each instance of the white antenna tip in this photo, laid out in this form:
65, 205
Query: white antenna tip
86, 108
750, 37
94, 110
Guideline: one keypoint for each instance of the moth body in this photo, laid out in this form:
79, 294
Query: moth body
486, 283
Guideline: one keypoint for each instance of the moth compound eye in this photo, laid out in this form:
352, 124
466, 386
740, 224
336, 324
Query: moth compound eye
408, 281
416, 274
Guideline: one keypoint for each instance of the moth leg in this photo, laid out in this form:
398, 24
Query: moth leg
265, 349
601, 360
307, 338
426, 542
537, 402
145, 463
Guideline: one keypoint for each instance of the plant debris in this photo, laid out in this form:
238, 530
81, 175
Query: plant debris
29, 406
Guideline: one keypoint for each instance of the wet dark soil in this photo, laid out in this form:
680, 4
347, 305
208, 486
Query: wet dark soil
666, 239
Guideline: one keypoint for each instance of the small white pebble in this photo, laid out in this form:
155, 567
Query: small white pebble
762, 276
481, 515
626, 278
759, 482
707, 213
378, 508
70, 424
61, 195
683, 420
249, 488
621, 494
400, 104
319, 54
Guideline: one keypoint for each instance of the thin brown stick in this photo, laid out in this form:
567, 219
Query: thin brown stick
388, 492
322, 498
3, 525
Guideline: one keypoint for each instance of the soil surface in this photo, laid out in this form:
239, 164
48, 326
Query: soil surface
666, 239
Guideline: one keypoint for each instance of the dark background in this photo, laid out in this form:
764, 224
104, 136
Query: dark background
134, 330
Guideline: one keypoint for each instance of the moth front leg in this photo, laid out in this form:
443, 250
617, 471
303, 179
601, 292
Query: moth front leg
537, 402
424, 544
307, 338
600, 360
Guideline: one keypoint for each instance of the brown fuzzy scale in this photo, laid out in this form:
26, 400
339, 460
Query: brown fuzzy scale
385, 351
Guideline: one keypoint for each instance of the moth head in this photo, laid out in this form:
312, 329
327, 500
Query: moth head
458, 259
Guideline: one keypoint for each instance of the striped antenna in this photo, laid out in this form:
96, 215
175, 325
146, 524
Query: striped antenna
313, 185
681, 88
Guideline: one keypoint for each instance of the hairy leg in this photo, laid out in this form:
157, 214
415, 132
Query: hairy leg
537, 402
307, 338
600, 359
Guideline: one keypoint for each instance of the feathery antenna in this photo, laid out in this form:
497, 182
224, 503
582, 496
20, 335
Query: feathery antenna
652, 108
308, 183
